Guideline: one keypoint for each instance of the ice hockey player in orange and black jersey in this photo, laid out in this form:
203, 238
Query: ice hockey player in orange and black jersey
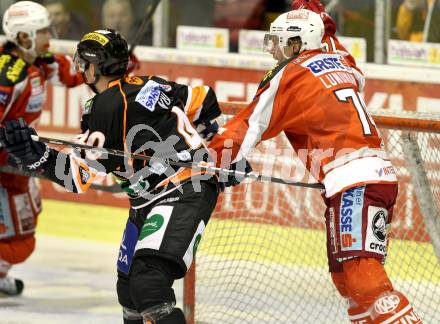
170, 206
170, 115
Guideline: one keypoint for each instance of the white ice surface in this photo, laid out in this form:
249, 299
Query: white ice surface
67, 281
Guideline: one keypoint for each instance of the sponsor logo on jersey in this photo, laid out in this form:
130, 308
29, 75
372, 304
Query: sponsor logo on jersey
386, 171
151, 225
324, 63
14, 71
377, 230
134, 188
151, 94
350, 219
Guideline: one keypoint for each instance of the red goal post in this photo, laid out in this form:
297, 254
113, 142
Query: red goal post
262, 258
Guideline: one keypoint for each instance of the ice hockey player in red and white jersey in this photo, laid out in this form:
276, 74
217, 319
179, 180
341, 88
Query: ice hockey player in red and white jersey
313, 97
330, 41
25, 67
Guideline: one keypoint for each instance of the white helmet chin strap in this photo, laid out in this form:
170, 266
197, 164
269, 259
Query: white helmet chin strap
284, 54
28, 51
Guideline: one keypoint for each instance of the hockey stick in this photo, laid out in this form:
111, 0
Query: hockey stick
144, 25
115, 188
192, 165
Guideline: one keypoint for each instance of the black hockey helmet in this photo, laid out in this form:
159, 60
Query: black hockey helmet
106, 48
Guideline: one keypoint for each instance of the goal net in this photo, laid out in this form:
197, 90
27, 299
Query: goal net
262, 258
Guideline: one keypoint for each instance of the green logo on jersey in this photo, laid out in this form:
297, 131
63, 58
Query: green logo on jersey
135, 188
196, 243
151, 225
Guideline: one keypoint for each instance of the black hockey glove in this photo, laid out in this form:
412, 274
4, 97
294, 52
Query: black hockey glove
29, 155
235, 178
46, 58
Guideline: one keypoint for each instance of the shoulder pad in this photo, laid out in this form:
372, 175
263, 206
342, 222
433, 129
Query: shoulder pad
12, 69
270, 74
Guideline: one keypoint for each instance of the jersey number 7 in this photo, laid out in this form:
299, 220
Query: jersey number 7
344, 95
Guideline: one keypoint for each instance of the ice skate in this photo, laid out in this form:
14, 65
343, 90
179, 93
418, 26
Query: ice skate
10, 286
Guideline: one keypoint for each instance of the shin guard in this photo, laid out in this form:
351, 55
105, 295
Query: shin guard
356, 313
393, 308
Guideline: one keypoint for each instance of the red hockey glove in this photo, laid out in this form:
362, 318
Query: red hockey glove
47, 58
312, 5
317, 7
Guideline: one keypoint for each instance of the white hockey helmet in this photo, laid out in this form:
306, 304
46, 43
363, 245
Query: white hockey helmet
296, 23
27, 17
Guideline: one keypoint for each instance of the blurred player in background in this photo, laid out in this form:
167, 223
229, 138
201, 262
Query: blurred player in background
170, 206
25, 67
313, 97
120, 15
66, 24
330, 42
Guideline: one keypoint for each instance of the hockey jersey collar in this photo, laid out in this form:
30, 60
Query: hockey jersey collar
113, 83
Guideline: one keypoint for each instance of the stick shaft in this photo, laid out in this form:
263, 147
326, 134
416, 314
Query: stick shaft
192, 165
115, 188
144, 25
